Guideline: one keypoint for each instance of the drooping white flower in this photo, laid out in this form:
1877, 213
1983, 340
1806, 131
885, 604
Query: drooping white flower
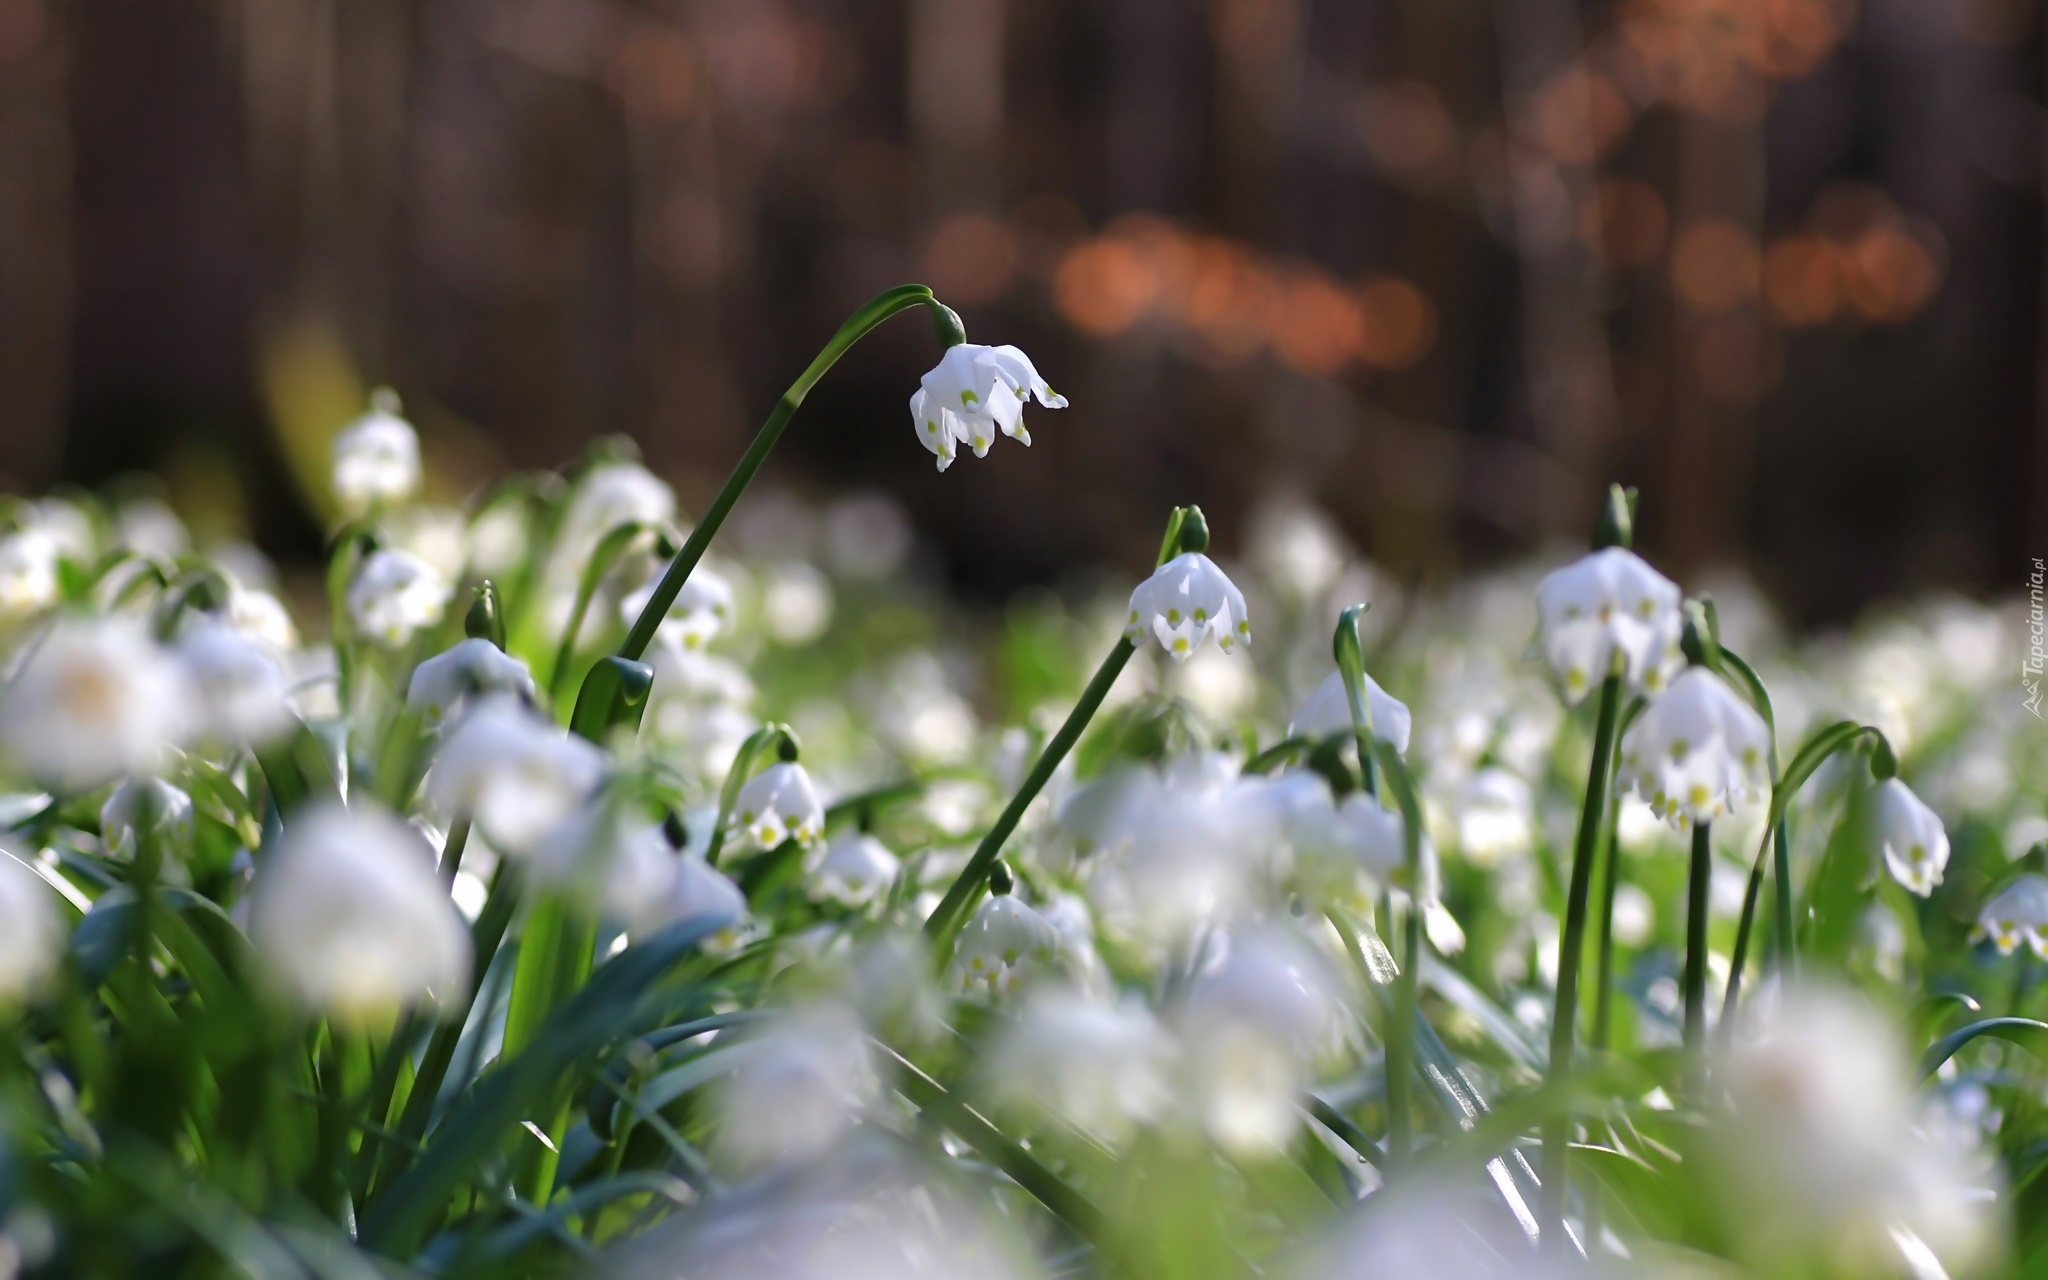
1003, 944
2018, 913
1696, 751
696, 890
96, 700
376, 460
28, 574
1910, 837
801, 1085
240, 693
1100, 1066
1820, 1161
350, 919
31, 931
1609, 603
604, 497
1328, 711
516, 775
145, 804
474, 666
395, 594
702, 610
1184, 602
263, 618
856, 869
974, 393
1257, 1015
780, 804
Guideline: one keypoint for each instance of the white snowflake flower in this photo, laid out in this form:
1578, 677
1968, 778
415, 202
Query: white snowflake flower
515, 774
145, 804
394, 595
1328, 711
376, 460
2018, 913
856, 869
1910, 837
96, 700
702, 610
475, 666
974, 393
240, 692
1186, 601
802, 1083
1696, 751
1004, 944
28, 574
780, 804
1101, 1066
1609, 603
350, 919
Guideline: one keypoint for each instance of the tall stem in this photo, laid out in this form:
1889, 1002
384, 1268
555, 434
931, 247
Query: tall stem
878, 309
1698, 886
1603, 995
1563, 1023
946, 918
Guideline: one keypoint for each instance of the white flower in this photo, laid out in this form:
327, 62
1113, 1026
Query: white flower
780, 804
1819, 1160
1910, 836
262, 617
516, 775
350, 919
703, 609
1328, 711
395, 594
696, 890
1183, 603
28, 574
2019, 913
1258, 1014
376, 461
31, 931
95, 700
149, 804
474, 666
1696, 751
1609, 603
975, 392
856, 869
606, 496
1494, 817
802, 1084
1099, 1066
1004, 943
240, 690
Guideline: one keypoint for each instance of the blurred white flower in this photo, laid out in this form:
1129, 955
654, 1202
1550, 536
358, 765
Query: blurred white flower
780, 804
376, 459
801, 1086
1439, 1229
240, 693
867, 535
28, 574
1004, 944
350, 919
147, 804
1605, 604
514, 774
436, 534
2018, 913
474, 666
395, 594
702, 611
1296, 548
856, 869
1910, 837
97, 699
640, 879
1262, 1008
1494, 817
604, 497
147, 524
1184, 602
1328, 711
796, 603
262, 617
1819, 1162
32, 930
1696, 751
1101, 1067
973, 393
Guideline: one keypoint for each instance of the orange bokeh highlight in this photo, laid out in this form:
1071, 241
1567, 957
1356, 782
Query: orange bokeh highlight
971, 258
1714, 264
1625, 222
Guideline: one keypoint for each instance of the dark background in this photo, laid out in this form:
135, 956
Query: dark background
1444, 267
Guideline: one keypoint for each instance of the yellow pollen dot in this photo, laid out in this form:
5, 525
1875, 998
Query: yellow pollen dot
1244, 627
1173, 617
1698, 795
1646, 607
1918, 853
968, 397
1180, 644
1575, 678
1679, 746
1201, 615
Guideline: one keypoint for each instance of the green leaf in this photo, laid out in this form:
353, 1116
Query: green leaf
2024, 1032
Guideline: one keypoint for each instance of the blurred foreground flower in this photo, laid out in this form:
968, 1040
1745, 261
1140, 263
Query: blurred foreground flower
350, 920
395, 594
31, 931
95, 700
472, 667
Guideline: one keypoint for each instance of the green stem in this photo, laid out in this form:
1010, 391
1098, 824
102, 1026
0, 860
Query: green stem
1563, 1024
1699, 885
1603, 995
878, 309
1400, 1039
959, 899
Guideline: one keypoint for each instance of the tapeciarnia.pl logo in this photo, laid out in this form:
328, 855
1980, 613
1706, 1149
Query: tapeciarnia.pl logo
2037, 639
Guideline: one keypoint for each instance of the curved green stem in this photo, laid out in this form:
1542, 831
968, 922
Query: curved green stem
1603, 995
1563, 1023
1698, 885
1400, 1040
878, 309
